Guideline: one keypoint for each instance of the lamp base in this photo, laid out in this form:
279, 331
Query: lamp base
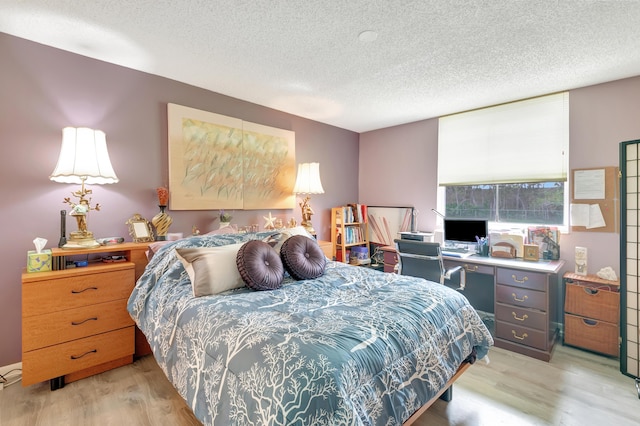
81, 240
309, 227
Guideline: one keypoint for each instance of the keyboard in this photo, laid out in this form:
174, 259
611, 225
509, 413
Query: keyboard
457, 252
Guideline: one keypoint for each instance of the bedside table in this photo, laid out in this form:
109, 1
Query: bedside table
75, 321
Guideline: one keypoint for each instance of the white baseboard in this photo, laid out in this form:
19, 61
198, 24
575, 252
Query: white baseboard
4, 370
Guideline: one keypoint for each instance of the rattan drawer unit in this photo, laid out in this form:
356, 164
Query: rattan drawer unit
592, 312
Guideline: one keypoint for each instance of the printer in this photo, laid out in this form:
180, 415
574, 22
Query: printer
417, 236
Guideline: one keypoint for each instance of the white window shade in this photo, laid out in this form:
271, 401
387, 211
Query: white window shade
519, 142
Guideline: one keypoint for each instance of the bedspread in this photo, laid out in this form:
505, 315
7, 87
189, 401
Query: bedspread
353, 347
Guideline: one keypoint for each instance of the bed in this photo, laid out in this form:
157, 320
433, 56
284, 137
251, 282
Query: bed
353, 346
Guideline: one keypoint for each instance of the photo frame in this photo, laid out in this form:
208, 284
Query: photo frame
531, 252
140, 229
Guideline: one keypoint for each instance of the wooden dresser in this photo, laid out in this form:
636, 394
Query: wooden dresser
75, 321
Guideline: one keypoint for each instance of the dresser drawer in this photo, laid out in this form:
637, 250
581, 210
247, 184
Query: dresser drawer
521, 316
57, 294
469, 267
58, 327
522, 335
592, 303
521, 297
524, 279
58, 360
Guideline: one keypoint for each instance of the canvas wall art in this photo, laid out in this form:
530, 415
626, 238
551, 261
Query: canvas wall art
220, 162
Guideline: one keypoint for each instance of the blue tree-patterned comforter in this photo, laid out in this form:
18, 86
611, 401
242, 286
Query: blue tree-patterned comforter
353, 347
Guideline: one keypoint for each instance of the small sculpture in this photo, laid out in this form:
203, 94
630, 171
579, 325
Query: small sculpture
607, 273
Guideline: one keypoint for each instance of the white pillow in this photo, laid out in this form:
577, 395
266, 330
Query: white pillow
212, 270
277, 240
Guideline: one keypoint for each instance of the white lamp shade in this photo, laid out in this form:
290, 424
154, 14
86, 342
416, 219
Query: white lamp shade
308, 179
83, 156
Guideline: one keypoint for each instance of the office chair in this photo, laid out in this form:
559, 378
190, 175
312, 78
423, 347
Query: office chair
424, 260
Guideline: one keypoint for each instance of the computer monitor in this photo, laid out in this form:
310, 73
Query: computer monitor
464, 231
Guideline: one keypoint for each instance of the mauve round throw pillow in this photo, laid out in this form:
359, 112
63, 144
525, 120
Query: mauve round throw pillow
259, 266
303, 258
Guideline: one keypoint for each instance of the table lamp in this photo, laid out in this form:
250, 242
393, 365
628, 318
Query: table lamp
83, 159
308, 182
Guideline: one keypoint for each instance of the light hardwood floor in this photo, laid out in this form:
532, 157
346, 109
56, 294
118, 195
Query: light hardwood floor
575, 388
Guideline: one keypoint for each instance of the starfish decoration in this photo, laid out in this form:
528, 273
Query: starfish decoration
268, 224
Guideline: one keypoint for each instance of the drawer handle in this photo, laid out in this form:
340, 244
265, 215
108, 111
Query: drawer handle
82, 322
470, 269
515, 317
84, 354
519, 300
522, 281
83, 290
515, 335
590, 291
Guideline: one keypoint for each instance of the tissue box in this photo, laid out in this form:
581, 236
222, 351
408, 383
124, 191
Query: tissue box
39, 262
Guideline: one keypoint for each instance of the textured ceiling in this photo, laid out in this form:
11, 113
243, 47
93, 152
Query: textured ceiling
430, 58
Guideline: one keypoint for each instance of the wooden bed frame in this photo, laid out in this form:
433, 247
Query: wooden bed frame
445, 393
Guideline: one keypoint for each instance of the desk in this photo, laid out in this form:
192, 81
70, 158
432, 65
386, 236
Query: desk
524, 300
522, 294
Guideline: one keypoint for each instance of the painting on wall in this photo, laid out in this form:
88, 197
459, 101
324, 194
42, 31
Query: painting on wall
220, 162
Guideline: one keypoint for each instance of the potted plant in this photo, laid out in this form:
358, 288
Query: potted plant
225, 219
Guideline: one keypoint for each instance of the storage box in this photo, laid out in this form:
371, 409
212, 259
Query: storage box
39, 262
598, 336
592, 302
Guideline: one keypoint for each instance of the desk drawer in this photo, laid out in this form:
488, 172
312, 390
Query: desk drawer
524, 279
469, 267
521, 297
521, 316
58, 327
54, 361
522, 335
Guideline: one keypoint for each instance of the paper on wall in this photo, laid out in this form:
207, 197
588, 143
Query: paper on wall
588, 184
587, 215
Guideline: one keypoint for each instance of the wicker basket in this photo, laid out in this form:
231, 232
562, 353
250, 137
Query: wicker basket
598, 336
590, 302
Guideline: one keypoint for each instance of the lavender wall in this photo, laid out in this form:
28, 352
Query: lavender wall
399, 165
43, 90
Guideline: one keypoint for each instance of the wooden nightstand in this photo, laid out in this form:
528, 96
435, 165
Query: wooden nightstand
75, 321
326, 248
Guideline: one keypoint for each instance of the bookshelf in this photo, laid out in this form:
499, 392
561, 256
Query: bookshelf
348, 230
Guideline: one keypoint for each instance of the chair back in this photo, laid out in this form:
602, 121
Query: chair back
420, 259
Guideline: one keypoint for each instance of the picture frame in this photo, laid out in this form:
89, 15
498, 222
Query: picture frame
140, 229
531, 252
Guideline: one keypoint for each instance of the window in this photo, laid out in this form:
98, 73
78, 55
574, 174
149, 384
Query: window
519, 203
506, 163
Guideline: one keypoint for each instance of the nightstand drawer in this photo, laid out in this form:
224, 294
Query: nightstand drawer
58, 327
522, 335
521, 297
524, 279
521, 316
58, 360
82, 289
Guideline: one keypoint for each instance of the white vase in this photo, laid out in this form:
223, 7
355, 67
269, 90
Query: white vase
223, 224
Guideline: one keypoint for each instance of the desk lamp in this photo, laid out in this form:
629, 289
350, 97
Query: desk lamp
83, 159
308, 182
